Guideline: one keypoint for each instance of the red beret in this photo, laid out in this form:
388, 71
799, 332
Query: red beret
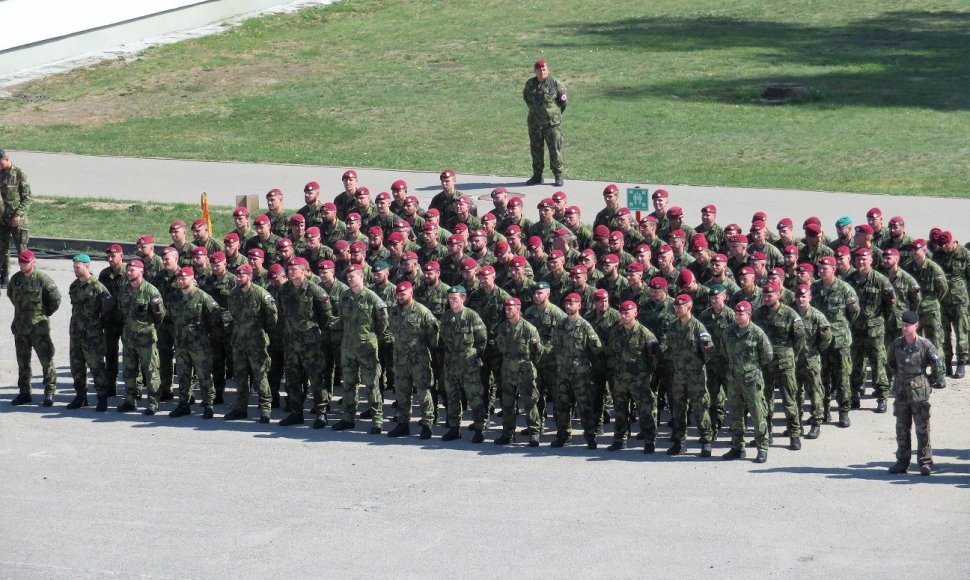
623, 211
349, 173
616, 235
573, 297
682, 299
514, 202
811, 220
176, 225
341, 245
329, 206
131, 264
299, 261
685, 277
546, 203
168, 250
199, 223
244, 269
275, 271
677, 234
897, 220
611, 259
634, 267
573, 209
827, 261
284, 243
864, 229
842, 251
395, 238
383, 195
746, 270
513, 230
664, 248
217, 257
628, 305
432, 266
759, 216
945, 238
520, 261
710, 208
375, 231
601, 294
256, 253
813, 229
358, 247
918, 244
399, 185
353, 217
778, 272
312, 186
658, 282
556, 255
231, 237
791, 250
274, 193
559, 196
261, 219
298, 218
402, 286
743, 306
447, 173
611, 188
428, 227
200, 251
890, 252
675, 211
513, 301
410, 255
326, 265
784, 223
719, 258
758, 257
540, 63
469, 264
770, 288
580, 269
660, 193
26, 256
534, 242
487, 270
116, 249
874, 213
806, 267
862, 252
355, 268
802, 290
757, 225
240, 211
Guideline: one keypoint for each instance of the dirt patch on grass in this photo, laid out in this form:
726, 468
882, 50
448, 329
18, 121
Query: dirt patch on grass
193, 91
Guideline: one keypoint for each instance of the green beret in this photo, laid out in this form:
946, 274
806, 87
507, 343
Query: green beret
458, 289
718, 289
843, 221
380, 266
541, 285
82, 258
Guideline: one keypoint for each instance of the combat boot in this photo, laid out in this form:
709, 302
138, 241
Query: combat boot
959, 373
366, 415
4, 280
559, 441
80, 400
504, 439
559, 180
48, 401
533, 440
617, 445
400, 430
705, 449
881, 406
426, 432
591, 442
899, 467
219, 395
208, 412
678, 448
949, 368
925, 469
149, 411
478, 437
126, 407
452, 434
607, 417
166, 395
320, 422
102, 404
762, 457
536, 179
181, 410
264, 417
795, 444
649, 448
814, 432
733, 453
236, 414
856, 402
292, 419
844, 419
22, 399
343, 425
375, 430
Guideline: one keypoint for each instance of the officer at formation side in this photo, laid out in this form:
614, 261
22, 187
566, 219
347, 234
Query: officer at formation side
539, 317
546, 99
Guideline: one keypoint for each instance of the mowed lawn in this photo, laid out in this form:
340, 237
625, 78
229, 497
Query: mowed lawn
659, 91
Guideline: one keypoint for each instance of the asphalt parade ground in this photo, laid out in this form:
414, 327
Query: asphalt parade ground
109, 495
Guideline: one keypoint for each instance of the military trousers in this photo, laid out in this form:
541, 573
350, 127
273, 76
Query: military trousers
166, 355
575, 391
836, 368
462, 375
690, 388
250, 368
716, 378
20, 235
549, 138
780, 374
305, 365
871, 347
36, 338
141, 361
360, 367
745, 391
112, 339
519, 382
84, 355
629, 387
809, 377
413, 378
931, 326
195, 360
910, 413
955, 320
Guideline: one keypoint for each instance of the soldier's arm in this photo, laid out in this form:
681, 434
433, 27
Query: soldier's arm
852, 307
891, 357
481, 336
560, 96
942, 286
798, 335
766, 353
594, 344
52, 297
824, 338
888, 304
324, 309
24, 196
535, 346
268, 312
381, 328
915, 297
937, 372
432, 331
158, 308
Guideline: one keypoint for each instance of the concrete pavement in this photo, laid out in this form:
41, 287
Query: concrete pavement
184, 181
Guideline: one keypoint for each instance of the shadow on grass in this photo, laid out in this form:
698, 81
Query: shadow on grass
898, 59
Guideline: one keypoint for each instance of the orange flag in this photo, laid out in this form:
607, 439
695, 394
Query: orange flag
205, 211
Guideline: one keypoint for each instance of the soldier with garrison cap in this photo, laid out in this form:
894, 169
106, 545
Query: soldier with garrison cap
909, 356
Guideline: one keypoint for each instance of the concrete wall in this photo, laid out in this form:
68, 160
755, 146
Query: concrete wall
42, 32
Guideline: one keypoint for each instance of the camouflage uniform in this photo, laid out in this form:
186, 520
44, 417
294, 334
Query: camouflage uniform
716, 324
954, 317
911, 394
193, 316
546, 100
933, 287
113, 280
632, 356
90, 303
601, 372
786, 332
462, 339
488, 305
657, 317
15, 194
876, 297
808, 369
364, 318
219, 337
545, 320
35, 298
520, 347
688, 379
415, 332
840, 306
142, 310
305, 311
253, 315
574, 344
748, 350
908, 297
167, 285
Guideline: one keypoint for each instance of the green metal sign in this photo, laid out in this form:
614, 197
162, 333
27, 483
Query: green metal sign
638, 198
